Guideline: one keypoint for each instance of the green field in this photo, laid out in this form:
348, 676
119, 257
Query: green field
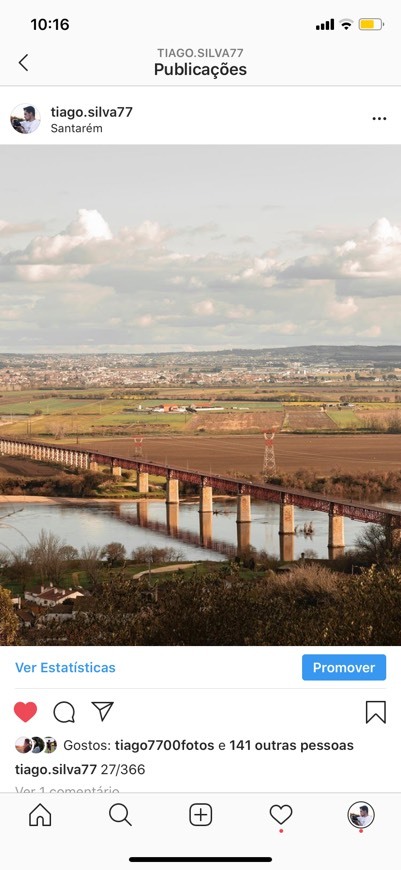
346, 419
72, 413
53, 413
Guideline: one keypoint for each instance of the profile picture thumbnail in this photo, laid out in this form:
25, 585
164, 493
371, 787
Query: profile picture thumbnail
361, 815
36, 745
23, 745
25, 119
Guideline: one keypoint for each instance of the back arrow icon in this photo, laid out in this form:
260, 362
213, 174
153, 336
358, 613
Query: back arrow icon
21, 64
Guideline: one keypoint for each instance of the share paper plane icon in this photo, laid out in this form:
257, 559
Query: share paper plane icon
103, 708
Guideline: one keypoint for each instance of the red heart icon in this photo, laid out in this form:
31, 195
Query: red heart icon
25, 711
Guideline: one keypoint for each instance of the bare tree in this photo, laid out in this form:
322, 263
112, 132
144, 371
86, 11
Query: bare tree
376, 545
47, 558
68, 552
156, 555
91, 561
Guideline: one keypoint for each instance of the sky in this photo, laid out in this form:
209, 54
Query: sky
171, 248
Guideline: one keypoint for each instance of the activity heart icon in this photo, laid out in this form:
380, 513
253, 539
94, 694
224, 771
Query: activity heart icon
281, 814
25, 711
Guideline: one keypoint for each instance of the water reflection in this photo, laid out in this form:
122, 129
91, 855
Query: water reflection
208, 535
171, 528
219, 532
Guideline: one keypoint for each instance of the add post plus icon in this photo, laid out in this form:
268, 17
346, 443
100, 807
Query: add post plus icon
200, 815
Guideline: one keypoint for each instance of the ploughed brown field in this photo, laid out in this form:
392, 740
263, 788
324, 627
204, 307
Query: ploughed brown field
244, 453
20, 466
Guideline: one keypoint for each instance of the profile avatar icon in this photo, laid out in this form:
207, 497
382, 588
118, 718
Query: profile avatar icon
25, 119
23, 745
361, 815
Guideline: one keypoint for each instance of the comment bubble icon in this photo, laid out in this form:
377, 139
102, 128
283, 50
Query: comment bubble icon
64, 712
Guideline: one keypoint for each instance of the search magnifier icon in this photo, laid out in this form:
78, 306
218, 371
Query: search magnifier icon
119, 813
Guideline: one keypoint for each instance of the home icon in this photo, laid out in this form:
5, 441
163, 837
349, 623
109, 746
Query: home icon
40, 816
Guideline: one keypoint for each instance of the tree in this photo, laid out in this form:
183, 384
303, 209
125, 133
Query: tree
156, 555
8, 619
114, 553
20, 567
91, 562
377, 545
311, 606
4, 562
68, 552
47, 558
58, 430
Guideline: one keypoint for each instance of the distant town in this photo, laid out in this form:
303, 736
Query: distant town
302, 365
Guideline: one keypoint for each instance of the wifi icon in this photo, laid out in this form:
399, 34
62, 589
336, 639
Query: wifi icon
346, 23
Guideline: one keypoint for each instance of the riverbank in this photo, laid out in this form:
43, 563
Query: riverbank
47, 499
44, 499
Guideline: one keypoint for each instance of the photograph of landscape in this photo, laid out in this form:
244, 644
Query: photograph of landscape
200, 395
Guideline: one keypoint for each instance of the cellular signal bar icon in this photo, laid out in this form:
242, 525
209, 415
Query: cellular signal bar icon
326, 25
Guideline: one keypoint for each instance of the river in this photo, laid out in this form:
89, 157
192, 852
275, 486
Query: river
144, 524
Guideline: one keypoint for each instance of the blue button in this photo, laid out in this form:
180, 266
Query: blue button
343, 667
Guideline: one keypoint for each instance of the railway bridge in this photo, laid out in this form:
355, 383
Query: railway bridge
243, 490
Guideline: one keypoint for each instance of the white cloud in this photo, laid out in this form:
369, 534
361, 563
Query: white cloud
10, 229
88, 224
206, 306
87, 275
145, 320
343, 309
371, 332
239, 312
43, 272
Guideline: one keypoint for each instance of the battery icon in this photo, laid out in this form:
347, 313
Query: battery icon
370, 24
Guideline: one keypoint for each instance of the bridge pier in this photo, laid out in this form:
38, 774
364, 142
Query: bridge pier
287, 532
142, 512
243, 537
396, 537
336, 535
287, 548
243, 508
143, 482
287, 525
172, 491
172, 511
393, 535
206, 500
243, 522
93, 465
116, 470
206, 528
